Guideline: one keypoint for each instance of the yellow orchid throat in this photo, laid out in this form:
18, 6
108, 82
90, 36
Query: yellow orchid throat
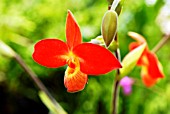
73, 73
73, 66
73, 61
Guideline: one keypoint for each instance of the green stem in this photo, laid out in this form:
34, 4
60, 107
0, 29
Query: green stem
116, 83
116, 96
9, 52
115, 4
39, 84
117, 79
161, 43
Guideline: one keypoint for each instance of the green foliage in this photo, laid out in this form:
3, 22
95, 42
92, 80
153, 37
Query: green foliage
24, 22
54, 108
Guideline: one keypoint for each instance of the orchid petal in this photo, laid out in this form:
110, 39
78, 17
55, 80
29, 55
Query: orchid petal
95, 59
146, 77
73, 34
133, 45
50, 53
139, 38
74, 80
148, 81
153, 68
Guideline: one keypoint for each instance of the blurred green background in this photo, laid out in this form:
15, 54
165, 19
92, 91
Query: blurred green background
24, 22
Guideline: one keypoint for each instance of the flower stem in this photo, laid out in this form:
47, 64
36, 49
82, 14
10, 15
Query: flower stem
161, 43
9, 52
114, 4
39, 84
115, 97
117, 79
116, 83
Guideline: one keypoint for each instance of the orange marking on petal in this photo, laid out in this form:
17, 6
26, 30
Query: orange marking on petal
74, 79
73, 34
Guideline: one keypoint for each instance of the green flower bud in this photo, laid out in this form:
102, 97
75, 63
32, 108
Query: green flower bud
109, 26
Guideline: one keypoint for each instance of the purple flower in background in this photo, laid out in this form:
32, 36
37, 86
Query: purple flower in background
126, 84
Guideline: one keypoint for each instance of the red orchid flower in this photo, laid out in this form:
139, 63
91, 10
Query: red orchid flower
151, 67
81, 58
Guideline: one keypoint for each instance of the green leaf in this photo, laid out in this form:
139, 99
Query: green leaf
54, 108
130, 60
5, 50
